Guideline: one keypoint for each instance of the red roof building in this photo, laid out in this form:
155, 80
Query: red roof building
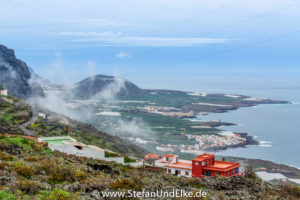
151, 156
202, 165
206, 165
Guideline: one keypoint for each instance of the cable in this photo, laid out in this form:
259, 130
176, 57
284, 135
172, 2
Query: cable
172, 25
224, 51
219, 29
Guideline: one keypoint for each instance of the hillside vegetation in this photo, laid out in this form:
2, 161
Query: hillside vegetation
13, 112
29, 170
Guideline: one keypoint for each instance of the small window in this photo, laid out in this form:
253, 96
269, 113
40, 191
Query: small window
237, 170
169, 171
203, 163
186, 173
208, 173
196, 163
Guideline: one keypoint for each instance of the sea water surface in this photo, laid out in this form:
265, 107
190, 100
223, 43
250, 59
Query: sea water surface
276, 126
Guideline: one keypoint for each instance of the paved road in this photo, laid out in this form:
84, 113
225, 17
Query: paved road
31, 121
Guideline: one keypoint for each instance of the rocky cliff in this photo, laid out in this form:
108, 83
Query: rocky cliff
16, 77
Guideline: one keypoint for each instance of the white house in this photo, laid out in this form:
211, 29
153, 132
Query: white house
174, 165
42, 115
69, 145
3, 92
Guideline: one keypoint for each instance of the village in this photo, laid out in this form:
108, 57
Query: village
167, 111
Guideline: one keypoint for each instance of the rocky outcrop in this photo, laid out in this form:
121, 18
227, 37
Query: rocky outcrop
16, 77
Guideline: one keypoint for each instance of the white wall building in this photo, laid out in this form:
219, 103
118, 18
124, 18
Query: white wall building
69, 145
3, 92
42, 115
175, 166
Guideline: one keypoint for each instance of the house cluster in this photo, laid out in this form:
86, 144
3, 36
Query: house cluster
167, 111
69, 145
202, 165
217, 141
3, 92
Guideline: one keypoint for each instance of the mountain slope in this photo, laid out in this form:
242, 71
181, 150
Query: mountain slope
14, 112
94, 85
16, 77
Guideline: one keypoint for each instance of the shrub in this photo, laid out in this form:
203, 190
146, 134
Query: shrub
6, 195
2, 165
249, 172
128, 160
287, 189
57, 194
4, 156
28, 186
79, 174
111, 154
124, 184
23, 169
32, 158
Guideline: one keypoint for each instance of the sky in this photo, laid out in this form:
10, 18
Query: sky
192, 45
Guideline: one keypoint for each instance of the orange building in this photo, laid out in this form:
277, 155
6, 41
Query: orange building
202, 165
206, 165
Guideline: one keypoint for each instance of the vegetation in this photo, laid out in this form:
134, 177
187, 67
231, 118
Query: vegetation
29, 173
13, 112
111, 154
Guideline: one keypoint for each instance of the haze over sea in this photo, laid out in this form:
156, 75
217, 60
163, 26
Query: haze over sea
275, 126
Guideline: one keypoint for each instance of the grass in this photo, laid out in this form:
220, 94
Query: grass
21, 142
110, 154
6, 195
128, 160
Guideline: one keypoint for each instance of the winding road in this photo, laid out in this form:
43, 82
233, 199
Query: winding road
31, 121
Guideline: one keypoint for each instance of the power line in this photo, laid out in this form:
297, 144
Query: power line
223, 51
192, 18
218, 29
171, 25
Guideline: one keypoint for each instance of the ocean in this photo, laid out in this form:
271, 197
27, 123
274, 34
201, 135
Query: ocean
276, 126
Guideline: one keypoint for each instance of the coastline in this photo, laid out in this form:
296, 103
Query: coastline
249, 141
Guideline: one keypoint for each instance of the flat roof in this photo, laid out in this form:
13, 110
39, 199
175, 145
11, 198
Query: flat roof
169, 155
203, 157
57, 141
151, 156
222, 165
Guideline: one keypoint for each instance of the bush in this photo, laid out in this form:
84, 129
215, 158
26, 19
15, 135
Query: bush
6, 195
124, 184
29, 187
111, 154
128, 160
23, 169
2, 165
32, 158
249, 172
57, 194
287, 189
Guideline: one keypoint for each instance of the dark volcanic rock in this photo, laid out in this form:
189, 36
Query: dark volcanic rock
16, 77
91, 86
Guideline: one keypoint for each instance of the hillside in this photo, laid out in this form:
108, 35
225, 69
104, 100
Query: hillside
14, 112
16, 77
29, 170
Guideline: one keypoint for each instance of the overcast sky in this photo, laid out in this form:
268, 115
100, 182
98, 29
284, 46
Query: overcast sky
191, 45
